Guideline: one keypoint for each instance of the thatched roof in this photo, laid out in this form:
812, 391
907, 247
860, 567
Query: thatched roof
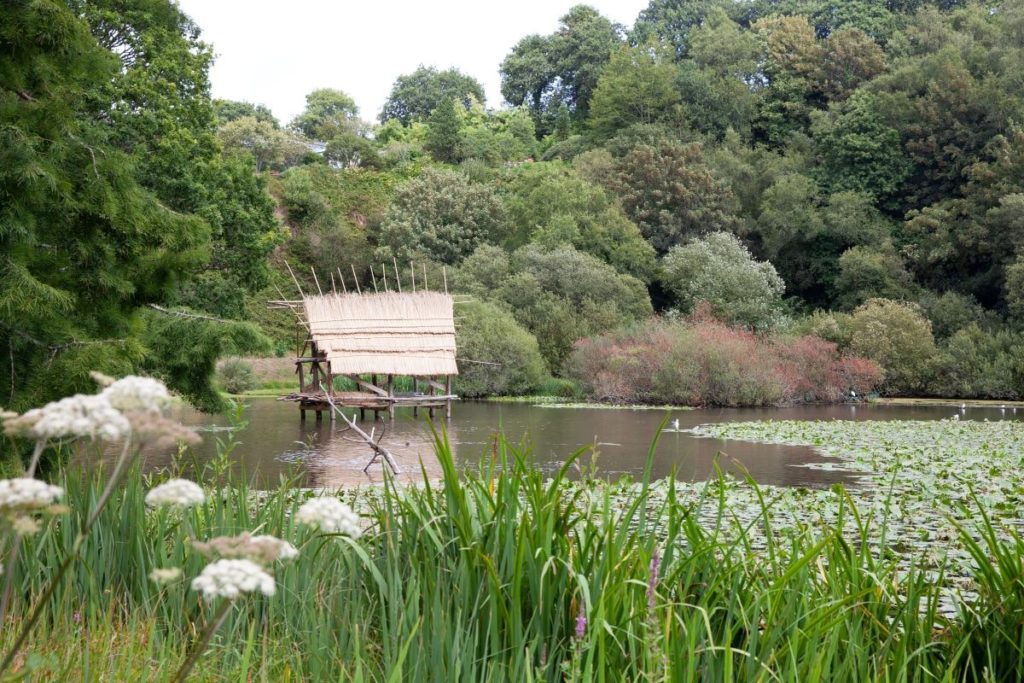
392, 333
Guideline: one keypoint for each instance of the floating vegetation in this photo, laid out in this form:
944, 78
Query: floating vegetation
920, 481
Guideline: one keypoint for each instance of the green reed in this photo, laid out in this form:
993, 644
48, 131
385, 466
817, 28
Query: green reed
507, 574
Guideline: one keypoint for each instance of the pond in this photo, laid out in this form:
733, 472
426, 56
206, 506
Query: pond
275, 443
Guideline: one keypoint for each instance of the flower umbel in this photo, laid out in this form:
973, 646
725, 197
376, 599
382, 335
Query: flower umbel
261, 549
330, 515
27, 495
180, 493
81, 415
137, 393
231, 578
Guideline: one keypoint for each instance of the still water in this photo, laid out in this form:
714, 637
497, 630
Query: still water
274, 443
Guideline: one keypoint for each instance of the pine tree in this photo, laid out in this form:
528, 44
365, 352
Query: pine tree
443, 140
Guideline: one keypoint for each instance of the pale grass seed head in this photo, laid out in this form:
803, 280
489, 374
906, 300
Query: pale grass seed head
165, 576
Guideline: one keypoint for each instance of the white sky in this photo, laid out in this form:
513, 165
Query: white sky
274, 52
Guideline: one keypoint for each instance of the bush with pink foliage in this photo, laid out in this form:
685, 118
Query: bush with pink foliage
702, 361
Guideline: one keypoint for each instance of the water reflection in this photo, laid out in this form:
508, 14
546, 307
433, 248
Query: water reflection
275, 443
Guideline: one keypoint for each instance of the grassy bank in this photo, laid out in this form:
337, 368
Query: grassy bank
503, 575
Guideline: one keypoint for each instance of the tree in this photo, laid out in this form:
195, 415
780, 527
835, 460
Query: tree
443, 135
872, 272
551, 204
348, 150
858, 151
671, 194
671, 22
637, 86
227, 111
851, 58
268, 146
719, 270
441, 216
328, 112
85, 248
1015, 288
509, 364
415, 96
899, 338
545, 72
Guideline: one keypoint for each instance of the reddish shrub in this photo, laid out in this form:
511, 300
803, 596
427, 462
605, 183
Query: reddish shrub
701, 361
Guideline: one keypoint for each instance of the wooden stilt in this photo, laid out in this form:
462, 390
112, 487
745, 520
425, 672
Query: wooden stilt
415, 388
448, 401
391, 396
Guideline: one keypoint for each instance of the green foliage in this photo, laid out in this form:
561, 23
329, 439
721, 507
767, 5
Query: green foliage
509, 364
415, 96
668, 190
184, 352
550, 204
328, 113
443, 140
83, 245
899, 338
561, 69
441, 216
1015, 289
974, 362
268, 145
872, 273
235, 376
952, 312
227, 111
636, 86
557, 293
348, 150
719, 271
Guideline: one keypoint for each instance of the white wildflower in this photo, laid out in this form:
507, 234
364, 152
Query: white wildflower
24, 525
162, 576
330, 515
79, 415
180, 493
261, 549
231, 578
27, 494
137, 393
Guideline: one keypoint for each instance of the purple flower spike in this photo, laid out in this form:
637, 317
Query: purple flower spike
652, 578
581, 623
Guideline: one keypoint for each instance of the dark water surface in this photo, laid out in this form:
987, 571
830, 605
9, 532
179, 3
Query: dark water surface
275, 443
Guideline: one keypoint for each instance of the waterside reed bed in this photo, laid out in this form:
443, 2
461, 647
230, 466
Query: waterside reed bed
503, 574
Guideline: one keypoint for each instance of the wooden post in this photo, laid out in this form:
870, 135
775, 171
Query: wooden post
448, 401
316, 280
415, 387
374, 276
302, 377
425, 286
398, 277
384, 272
391, 398
412, 269
444, 274
430, 391
342, 278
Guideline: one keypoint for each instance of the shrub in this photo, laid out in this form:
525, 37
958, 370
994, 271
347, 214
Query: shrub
490, 335
236, 376
899, 338
719, 270
702, 361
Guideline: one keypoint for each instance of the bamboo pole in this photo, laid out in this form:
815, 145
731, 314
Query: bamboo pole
398, 277
295, 280
425, 286
385, 272
342, 278
358, 290
444, 273
412, 268
334, 290
374, 276
316, 280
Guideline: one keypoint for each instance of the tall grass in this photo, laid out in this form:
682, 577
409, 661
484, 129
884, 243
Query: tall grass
503, 575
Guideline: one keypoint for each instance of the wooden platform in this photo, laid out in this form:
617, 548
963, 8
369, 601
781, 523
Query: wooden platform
366, 400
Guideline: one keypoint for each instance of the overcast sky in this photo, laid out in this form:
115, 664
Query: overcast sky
274, 52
